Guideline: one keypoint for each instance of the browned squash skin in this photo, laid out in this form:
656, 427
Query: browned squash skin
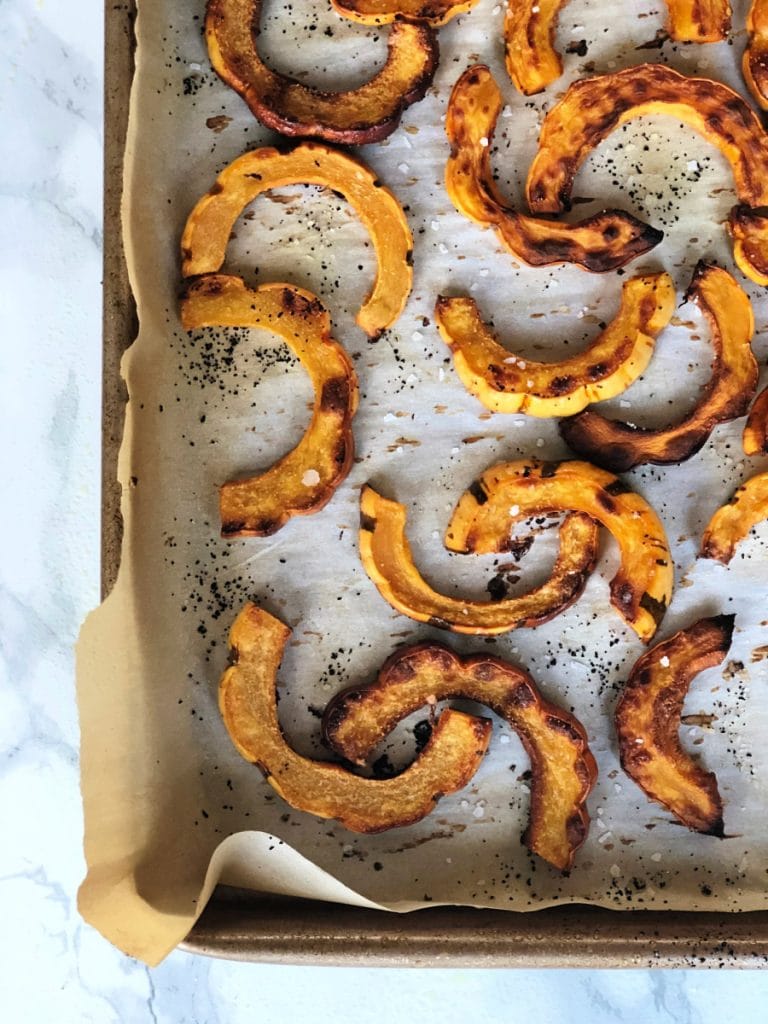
755, 438
619, 446
367, 114
562, 766
648, 721
248, 705
599, 244
513, 491
755, 60
733, 521
384, 12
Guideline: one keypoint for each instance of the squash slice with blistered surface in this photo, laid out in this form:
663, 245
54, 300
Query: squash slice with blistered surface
563, 770
209, 226
733, 521
304, 480
384, 12
367, 114
754, 63
505, 382
386, 557
600, 243
593, 108
648, 722
620, 446
247, 701
513, 491
755, 438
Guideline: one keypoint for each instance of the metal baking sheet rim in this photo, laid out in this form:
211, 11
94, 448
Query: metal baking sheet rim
241, 925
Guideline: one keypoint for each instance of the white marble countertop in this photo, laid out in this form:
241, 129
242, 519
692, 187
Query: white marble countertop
52, 966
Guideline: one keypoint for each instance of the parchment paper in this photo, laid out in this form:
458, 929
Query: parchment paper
170, 807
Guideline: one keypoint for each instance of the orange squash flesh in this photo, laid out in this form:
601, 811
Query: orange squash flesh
248, 705
562, 766
593, 108
383, 12
386, 557
367, 114
755, 437
209, 226
755, 60
733, 521
511, 491
619, 446
648, 721
304, 480
508, 383
533, 62
600, 243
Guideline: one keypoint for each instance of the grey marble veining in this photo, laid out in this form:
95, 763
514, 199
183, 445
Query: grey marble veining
52, 966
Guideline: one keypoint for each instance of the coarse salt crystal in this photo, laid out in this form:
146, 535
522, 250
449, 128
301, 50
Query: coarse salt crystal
539, 442
310, 478
625, 404
514, 510
478, 812
656, 857
454, 451
484, 141
511, 360
403, 167
530, 383
615, 870
434, 225
664, 662
503, 738
440, 373
417, 335
443, 248
521, 364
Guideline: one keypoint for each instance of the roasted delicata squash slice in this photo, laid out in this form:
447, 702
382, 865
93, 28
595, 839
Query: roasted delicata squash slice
756, 430
648, 721
592, 108
383, 12
533, 62
209, 226
304, 480
355, 117
513, 491
620, 446
755, 60
562, 767
506, 382
248, 705
599, 244
733, 521
386, 556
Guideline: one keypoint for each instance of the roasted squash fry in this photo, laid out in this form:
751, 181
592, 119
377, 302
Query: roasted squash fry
755, 437
562, 767
505, 382
733, 521
619, 446
648, 720
755, 60
594, 107
304, 480
205, 238
383, 12
386, 557
367, 114
511, 491
599, 244
248, 706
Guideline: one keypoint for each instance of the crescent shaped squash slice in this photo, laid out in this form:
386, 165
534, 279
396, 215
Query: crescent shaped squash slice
248, 705
755, 437
209, 225
386, 557
620, 446
533, 62
733, 521
384, 12
562, 766
600, 243
591, 109
754, 63
511, 491
367, 114
304, 480
648, 721
505, 382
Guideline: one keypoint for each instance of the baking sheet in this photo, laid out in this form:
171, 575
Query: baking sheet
148, 848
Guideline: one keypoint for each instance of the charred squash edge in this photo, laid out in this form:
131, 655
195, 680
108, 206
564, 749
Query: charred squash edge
648, 720
619, 446
507, 383
732, 522
364, 115
248, 705
383, 541
358, 718
755, 437
262, 504
509, 492
209, 225
755, 60
383, 12
601, 243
